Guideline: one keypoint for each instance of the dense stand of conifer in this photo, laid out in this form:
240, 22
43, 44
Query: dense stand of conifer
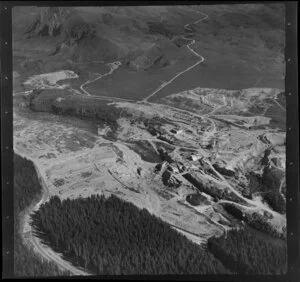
111, 236
26, 190
247, 253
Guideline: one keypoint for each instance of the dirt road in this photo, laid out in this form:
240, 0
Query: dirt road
113, 66
189, 68
47, 252
40, 248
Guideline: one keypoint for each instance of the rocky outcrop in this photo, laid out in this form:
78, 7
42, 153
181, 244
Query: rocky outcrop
49, 22
76, 38
169, 179
76, 30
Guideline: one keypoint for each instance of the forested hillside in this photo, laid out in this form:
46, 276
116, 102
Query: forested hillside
26, 190
26, 184
111, 236
247, 253
46, 101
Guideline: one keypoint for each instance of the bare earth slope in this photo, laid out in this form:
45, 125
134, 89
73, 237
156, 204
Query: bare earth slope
109, 101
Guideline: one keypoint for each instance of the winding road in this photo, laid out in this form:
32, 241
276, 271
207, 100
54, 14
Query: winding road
189, 68
28, 231
39, 247
47, 252
113, 66
116, 64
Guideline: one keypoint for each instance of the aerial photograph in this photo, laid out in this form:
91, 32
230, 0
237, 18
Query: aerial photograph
149, 140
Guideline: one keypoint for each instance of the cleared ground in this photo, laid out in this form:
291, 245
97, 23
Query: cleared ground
77, 162
77, 159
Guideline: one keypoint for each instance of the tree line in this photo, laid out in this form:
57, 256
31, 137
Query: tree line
26, 190
244, 252
110, 236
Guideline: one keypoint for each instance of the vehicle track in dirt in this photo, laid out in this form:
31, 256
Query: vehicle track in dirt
187, 69
28, 231
45, 251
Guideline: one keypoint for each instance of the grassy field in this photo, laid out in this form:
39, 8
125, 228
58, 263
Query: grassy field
130, 84
222, 75
243, 46
228, 67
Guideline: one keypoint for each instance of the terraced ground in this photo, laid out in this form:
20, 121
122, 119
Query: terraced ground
214, 123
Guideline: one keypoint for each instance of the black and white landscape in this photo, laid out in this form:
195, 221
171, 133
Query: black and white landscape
149, 140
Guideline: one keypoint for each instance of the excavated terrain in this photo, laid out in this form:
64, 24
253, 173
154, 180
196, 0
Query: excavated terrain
207, 156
